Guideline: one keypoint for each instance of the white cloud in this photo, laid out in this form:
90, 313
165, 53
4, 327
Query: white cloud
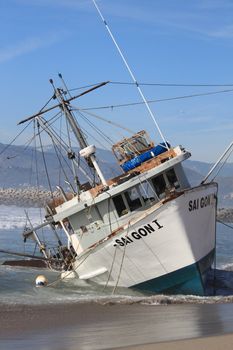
225, 32
205, 18
74, 4
215, 4
28, 45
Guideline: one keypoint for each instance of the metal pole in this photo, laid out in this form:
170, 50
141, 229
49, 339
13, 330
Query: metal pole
131, 73
217, 163
59, 105
41, 246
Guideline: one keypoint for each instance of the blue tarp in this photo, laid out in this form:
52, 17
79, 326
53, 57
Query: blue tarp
153, 152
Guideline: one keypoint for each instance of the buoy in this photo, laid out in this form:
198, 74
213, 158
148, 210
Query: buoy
41, 281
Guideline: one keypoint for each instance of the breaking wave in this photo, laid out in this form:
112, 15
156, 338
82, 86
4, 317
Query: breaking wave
13, 217
17, 285
18, 288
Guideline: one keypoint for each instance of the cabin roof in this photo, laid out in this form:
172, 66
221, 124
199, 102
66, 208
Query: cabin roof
98, 194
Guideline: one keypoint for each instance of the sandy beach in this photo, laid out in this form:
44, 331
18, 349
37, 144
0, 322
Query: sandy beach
208, 343
94, 326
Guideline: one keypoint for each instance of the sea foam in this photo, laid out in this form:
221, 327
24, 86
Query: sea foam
14, 217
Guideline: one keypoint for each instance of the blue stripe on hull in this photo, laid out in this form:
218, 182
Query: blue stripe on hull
188, 280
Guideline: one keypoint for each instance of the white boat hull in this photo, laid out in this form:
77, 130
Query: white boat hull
168, 249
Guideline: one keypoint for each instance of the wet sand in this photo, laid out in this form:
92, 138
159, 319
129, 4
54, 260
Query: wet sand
209, 343
94, 326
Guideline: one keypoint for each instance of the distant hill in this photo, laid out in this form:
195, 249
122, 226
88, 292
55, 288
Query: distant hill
17, 169
196, 171
24, 167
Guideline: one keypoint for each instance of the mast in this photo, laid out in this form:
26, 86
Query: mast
87, 151
64, 105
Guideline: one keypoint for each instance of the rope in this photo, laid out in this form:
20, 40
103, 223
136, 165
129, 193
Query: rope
122, 260
72, 270
111, 268
61, 278
225, 224
110, 226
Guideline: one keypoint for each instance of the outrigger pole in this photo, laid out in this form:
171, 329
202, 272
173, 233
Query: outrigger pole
10, 252
60, 104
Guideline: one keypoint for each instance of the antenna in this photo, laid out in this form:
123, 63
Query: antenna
130, 72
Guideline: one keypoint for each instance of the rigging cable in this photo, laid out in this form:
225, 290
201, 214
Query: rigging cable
14, 139
159, 100
156, 84
228, 151
87, 133
98, 131
58, 94
105, 120
45, 164
170, 84
37, 175
223, 163
28, 142
56, 141
61, 168
52, 133
104, 147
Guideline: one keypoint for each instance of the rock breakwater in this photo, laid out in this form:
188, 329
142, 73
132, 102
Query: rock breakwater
26, 197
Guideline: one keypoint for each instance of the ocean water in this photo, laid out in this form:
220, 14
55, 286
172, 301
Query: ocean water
18, 283
77, 315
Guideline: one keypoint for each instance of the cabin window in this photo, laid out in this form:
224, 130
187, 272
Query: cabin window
133, 199
120, 205
172, 179
159, 186
147, 192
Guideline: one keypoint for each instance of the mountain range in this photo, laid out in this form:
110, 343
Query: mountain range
22, 167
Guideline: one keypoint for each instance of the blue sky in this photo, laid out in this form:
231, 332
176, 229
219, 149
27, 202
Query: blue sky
165, 41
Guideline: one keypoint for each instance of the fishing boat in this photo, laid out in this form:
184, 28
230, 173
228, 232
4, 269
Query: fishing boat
147, 228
